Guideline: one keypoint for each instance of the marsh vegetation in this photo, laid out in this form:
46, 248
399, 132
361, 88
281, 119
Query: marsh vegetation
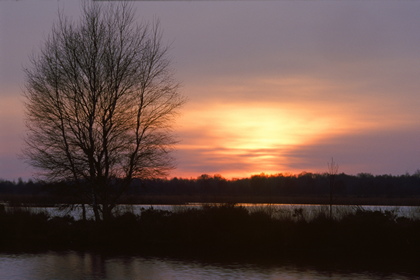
225, 231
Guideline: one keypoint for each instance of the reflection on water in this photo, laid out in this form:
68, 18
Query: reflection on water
73, 265
286, 211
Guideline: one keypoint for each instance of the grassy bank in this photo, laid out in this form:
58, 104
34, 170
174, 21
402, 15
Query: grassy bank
225, 231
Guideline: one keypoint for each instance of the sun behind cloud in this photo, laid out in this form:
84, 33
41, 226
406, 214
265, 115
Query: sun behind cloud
243, 139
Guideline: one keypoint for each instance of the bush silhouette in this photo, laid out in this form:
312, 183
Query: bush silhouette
221, 231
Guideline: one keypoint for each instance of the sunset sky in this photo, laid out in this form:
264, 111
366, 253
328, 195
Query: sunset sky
272, 86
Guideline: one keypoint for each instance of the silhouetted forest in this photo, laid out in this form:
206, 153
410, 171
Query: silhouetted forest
305, 187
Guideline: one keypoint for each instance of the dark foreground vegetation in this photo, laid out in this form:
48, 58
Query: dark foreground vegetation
221, 231
304, 188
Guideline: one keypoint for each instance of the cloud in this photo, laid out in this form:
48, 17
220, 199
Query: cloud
272, 85
377, 152
240, 139
392, 151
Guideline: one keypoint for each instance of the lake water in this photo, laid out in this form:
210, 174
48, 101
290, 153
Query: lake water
87, 266
288, 211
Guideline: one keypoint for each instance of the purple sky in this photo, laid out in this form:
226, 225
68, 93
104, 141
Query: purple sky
273, 86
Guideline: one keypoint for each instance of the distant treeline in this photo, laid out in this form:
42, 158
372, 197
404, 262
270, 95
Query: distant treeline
280, 188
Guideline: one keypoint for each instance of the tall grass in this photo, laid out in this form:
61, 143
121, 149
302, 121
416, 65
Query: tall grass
220, 230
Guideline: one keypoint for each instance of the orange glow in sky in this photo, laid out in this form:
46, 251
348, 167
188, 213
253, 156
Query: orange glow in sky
258, 137
269, 129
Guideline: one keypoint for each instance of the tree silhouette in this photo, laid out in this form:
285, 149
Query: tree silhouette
100, 100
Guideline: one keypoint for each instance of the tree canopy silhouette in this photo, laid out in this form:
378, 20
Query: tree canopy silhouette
100, 101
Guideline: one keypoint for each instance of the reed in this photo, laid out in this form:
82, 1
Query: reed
219, 231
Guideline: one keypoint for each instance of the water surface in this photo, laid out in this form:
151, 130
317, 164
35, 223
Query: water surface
75, 265
286, 211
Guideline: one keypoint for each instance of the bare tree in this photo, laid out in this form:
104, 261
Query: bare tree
332, 172
100, 101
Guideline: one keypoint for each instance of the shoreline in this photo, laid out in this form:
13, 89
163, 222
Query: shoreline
49, 201
220, 232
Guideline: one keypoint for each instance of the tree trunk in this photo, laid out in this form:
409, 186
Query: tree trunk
331, 195
83, 212
106, 212
95, 208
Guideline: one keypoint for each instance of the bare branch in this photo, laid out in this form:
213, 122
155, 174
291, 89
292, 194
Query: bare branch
100, 102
